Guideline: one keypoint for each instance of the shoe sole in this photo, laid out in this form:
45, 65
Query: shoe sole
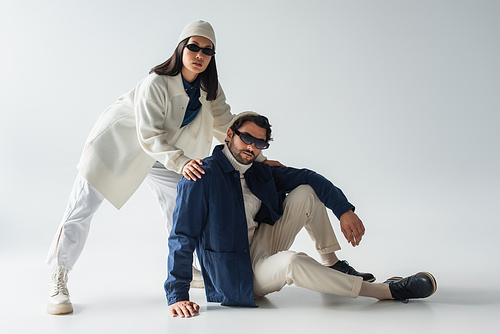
371, 280
59, 309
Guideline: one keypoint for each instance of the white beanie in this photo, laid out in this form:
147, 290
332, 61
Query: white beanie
198, 28
240, 115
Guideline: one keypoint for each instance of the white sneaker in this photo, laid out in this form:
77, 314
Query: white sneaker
197, 281
59, 302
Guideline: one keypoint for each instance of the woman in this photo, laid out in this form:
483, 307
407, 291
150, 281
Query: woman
156, 132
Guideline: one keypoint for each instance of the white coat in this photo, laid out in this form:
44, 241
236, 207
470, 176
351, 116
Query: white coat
144, 126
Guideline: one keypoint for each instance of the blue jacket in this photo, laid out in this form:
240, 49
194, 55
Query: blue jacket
209, 217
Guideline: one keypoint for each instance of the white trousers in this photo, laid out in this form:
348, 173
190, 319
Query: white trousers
85, 200
274, 265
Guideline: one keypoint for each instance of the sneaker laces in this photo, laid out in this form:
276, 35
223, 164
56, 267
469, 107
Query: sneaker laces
60, 280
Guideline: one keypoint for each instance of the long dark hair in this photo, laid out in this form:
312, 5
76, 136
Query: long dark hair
209, 79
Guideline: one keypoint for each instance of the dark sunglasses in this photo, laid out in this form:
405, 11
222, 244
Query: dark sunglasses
196, 48
249, 140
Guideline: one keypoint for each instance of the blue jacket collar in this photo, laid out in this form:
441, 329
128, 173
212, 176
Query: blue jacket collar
221, 159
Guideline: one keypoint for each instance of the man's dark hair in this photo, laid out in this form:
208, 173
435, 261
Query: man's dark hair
209, 81
259, 120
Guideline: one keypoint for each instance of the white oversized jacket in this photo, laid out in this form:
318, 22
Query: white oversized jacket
144, 126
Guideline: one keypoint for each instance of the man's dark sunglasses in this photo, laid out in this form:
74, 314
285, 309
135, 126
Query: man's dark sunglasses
196, 48
249, 140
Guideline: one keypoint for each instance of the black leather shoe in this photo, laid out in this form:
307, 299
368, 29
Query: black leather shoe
393, 278
420, 285
344, 267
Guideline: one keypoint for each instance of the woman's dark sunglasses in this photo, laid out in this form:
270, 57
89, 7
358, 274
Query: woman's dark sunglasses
196, 48
249, 140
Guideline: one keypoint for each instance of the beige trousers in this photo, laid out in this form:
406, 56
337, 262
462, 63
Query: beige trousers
274, 265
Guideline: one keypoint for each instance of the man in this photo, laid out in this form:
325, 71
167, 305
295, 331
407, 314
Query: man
241, 223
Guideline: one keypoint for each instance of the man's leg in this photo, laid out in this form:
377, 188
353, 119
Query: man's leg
69, 241
319, 227
287, 267
306, 204
163, 183
302, 208
274, 266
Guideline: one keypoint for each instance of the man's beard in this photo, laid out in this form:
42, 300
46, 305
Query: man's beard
237, 154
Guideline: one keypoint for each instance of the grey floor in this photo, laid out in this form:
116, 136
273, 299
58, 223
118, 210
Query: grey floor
130, 300
117, 286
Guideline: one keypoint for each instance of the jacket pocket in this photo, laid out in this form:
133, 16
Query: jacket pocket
223, 272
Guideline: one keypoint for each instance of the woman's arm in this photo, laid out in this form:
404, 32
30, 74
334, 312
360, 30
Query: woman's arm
151, 107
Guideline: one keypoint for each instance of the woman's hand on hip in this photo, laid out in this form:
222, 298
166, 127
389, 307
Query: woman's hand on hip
192, 169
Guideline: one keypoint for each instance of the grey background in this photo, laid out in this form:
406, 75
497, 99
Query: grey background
397, 102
